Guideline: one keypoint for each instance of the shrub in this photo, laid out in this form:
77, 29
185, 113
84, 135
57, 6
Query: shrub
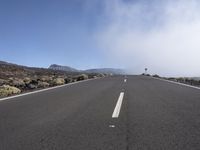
58, 81
82, 77
7, 90
27, 80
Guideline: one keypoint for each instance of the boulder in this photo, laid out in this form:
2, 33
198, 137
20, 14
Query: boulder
18, 83
58, 81
68, 80
32, 86
7, 90
34, 81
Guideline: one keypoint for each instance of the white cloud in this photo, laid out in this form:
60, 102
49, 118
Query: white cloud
163, 36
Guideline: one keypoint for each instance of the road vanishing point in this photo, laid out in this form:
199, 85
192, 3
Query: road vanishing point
111, 113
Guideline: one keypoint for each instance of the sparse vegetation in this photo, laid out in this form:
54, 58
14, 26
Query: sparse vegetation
15, 79
6, 90
81, 77
190, 81
58, 81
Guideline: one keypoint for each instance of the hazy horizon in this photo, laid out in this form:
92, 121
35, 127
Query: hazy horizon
161, 35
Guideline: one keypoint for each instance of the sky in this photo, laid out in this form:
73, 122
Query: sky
161, 35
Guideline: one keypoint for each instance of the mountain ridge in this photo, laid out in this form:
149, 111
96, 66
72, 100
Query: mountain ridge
94, 70
62, 68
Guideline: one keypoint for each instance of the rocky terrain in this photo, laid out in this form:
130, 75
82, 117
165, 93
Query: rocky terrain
15, 79
195, 81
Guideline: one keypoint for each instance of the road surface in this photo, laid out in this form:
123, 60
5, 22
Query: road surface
112, 113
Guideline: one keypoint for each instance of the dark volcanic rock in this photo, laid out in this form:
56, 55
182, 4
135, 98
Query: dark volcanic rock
81, 77
32, 86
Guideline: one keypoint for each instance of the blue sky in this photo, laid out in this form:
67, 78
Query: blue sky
42, 32
162, 35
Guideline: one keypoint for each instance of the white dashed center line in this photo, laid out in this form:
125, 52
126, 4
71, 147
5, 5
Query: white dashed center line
111, 126
118, 106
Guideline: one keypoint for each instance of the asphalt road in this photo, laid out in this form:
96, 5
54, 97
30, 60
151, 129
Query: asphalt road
153, 115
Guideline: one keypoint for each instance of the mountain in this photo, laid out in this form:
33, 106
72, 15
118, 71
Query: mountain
6, 63
63, 68
3, 62
106, 71
96, 70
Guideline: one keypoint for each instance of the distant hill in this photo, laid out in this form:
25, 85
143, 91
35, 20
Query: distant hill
63, 68
55, 67
3, 62
7, 63
96, 70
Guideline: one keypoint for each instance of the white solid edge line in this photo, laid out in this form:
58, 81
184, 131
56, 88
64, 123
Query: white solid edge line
178, 83
118, 106
38, 91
